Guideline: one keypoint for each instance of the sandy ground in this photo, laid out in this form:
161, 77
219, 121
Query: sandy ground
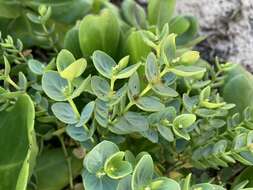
228, 24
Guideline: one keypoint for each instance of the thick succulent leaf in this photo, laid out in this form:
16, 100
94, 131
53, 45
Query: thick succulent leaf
80, 134
103, 63
134, 86
17, 144
52, 162
93, 182
71, 42
54, 85
136, 47
188, 71
86, 113
127, 72
165, 184
116, 167
125, 183
238, 88
130, 122
74, 70
81, 87
184, 120
160, 11
64, 59
150, 104
101, 112
95, 159
36, 67
100, 87
166, 133
150, 134
164, 90
134, 14
143, 173
64, 113
179, 25
169, 47
152, 70
92, 33
181, 133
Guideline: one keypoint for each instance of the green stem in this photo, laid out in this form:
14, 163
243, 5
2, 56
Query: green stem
112, 83
51, 41
68, 159
9, 80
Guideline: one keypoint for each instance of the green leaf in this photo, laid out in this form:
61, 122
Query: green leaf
125, 183
64, 113
181, 133
54, 86
116, 167
78, 133
168, 47
184, 120
179, 25
188, 71
36, 66
82, 87
134, 14
71, 42
74, 70
86, 113
150, 104
52, 162
166, 133
152, 70
189, 57
103, 182
103, 63
143, 173
92, 33
64, 59
95, 159
130, 122
100, 87
101, 112
165, 184
17, 144
160, 11
135, 47
127, 72
164, 90
134, 86
10, 11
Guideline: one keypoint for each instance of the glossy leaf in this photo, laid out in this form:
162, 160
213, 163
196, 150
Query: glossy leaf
36, 66
150, 104
86, 113
64, 112
116, 167
78, 133
188, 71
184, 120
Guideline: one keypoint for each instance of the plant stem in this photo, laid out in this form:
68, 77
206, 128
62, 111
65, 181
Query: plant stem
68, 159
49, 38
9, 80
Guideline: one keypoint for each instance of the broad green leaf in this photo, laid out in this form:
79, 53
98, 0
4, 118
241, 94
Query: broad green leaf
10, 11
150, 134
164, 90
122, 63
188, 71
125, 183
53, 163
116, 167
64, 59
202, 112
74, 70
134, 86
64, 112
86, 113
189, 102
98, 182
22, 81
238, 88
166, 133
181, 133
101, 112
17, 159
179, 25
143, 173
160, 11
184, 120
100, 87
78, 133
134, 14
127, 72
130, 122
168, 47
152, 70
205, 94
103, 63
95, 159
54, 86
189, 57
135, 47
71, 42
149, 103
82, 87
92, 33
36, 66
165, 184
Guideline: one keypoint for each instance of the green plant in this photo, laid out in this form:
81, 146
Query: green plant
126, 76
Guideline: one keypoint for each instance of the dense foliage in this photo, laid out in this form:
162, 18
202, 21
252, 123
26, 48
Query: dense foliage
116, 98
